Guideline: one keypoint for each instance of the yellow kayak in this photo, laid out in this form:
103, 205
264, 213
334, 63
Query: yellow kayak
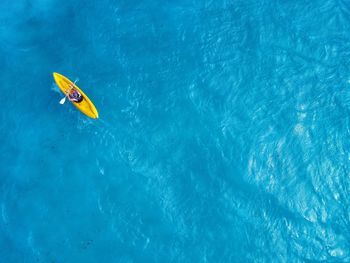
85, 106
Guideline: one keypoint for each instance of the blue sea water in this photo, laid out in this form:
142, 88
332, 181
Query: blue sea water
223, 133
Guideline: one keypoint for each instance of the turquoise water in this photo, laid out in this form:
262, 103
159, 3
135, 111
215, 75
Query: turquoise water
223, 133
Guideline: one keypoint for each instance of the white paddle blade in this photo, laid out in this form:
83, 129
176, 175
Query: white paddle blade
63, 100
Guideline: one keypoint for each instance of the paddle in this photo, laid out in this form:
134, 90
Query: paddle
63, 100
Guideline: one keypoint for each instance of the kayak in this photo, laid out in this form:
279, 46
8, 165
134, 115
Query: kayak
85, 106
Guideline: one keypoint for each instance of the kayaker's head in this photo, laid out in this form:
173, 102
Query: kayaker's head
75, 93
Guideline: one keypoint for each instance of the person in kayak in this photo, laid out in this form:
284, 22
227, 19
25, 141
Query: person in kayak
74, 95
